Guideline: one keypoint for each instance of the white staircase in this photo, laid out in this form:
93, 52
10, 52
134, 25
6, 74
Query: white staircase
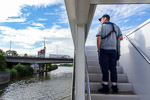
95, 78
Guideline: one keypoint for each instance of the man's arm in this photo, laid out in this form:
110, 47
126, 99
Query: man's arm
98, 43
120, 33
121, 37
99, 34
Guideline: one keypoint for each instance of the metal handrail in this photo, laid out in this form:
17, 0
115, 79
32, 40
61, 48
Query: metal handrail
73, 77
87, 79
142, 54
138, 28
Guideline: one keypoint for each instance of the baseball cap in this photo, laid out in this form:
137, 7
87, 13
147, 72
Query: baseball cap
105, 15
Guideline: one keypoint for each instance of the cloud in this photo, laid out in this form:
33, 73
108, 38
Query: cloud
125, 21
64, 47
142, 13
15, 20
61, 11
139, 19
12, 8
91, 40
50, 13
63, 14
118, 12
25, 45
38, 25
42, 19
29, 37
127, 29
32, 35
26, 14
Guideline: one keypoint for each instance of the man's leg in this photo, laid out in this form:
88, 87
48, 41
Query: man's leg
104, 63
113, 70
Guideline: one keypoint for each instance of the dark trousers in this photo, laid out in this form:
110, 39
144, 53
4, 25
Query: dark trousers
108, 61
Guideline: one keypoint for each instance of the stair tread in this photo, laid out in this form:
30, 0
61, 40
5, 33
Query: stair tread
119, 96
123, 87
95, 73
99, 66
93, 81
97, 77
92, 73
119, 83
110, 93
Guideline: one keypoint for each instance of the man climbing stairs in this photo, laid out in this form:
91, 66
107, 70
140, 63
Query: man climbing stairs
126, 91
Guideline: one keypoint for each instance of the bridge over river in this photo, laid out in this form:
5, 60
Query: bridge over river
38, 60
42, 62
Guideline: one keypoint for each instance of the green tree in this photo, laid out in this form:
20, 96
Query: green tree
52, 67
11, 53
23, 70
13, 72
2, 62
1, 51
25, 55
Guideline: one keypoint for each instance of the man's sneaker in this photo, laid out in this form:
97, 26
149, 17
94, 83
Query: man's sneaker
114, 89
104, 89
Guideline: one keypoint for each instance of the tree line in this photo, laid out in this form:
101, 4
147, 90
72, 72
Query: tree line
12, 53
18, 70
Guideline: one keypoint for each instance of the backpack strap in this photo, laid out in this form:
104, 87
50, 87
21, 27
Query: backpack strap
109, 32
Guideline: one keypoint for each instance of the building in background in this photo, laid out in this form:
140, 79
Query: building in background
58, 56
42, 52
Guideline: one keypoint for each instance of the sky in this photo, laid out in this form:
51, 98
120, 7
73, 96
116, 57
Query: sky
27, 22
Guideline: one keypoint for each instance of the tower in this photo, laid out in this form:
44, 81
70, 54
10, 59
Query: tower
44, 48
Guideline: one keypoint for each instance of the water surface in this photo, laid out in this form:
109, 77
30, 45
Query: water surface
55, 86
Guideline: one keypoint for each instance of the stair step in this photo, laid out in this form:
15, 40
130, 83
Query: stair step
99, 66
98, 77
92, 57
95, 63
92, 53
91, 48
96, 69
123, 87
98, 96
120, 92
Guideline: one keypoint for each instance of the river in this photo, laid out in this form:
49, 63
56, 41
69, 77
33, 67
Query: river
55, 86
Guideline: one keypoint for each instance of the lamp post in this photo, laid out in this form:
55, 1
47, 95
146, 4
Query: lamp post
10, 44
57, 51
